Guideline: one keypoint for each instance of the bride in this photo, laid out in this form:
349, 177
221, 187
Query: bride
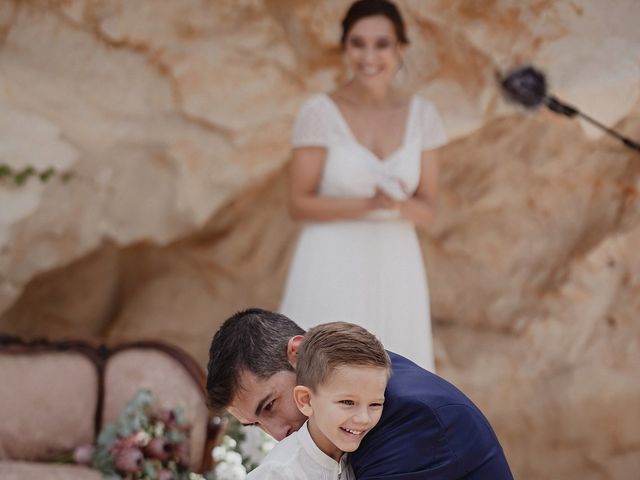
363, 172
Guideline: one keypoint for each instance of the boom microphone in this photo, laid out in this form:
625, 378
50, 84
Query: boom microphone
527, 86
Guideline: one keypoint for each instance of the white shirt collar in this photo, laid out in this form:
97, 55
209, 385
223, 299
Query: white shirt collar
324, 460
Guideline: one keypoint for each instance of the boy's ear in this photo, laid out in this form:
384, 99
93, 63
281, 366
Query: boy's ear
302, 397
292, 349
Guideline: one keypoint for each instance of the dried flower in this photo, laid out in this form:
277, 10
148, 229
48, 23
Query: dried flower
129, 460
160, 448
165, 474
183, 453
240, 451
142, 444
167, 417
84, 454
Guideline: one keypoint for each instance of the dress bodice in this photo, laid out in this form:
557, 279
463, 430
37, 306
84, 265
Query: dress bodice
351, 169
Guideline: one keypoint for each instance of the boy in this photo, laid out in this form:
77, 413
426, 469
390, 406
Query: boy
341, 375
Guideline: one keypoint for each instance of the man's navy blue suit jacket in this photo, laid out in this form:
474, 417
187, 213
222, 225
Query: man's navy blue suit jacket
429, 430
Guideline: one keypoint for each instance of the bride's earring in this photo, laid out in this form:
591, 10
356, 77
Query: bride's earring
348, 71
402, 73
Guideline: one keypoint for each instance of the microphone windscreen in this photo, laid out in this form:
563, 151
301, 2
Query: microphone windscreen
526, 86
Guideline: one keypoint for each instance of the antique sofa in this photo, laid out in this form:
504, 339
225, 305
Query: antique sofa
55, 396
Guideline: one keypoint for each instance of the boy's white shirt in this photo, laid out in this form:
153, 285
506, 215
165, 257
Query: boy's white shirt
297, 457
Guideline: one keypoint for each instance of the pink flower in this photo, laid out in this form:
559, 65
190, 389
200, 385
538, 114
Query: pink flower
158, 448
182, 452
128, 459
84, 454
126, 442
165, 474
140, 438
167, 416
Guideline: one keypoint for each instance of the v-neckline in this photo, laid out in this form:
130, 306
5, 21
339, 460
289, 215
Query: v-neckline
349, 131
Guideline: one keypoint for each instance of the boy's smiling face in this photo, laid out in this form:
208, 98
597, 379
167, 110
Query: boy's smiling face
343, 408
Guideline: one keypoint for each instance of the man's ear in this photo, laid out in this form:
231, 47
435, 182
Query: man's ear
292, 349
302, 397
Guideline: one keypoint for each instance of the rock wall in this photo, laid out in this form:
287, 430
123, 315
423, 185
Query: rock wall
173, 120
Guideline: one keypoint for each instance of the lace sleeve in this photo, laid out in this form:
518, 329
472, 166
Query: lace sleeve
433, 132
310, 128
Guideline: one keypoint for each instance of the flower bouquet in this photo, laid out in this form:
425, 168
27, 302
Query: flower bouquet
148, 444
142, 444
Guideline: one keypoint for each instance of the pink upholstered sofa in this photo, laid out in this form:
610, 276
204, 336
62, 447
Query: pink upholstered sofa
56, 396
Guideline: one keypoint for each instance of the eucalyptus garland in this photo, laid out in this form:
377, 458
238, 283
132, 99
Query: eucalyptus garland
20, 177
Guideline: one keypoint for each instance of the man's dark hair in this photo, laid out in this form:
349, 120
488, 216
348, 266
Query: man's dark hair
252, 340
371, 8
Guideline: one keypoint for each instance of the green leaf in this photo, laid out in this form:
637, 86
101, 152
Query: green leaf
181, 416
22, 176
149, 469
175, 436
46, 174
104, 461
108, 435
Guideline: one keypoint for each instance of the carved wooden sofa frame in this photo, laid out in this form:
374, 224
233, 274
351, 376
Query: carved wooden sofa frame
55, 396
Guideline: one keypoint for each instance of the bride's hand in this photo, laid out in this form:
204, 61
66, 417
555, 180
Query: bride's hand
382, 201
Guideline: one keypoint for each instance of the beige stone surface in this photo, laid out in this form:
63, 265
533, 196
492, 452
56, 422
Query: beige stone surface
173, 118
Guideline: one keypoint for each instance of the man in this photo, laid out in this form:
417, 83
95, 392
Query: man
429, 430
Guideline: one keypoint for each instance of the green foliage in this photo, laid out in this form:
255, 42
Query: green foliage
21, 177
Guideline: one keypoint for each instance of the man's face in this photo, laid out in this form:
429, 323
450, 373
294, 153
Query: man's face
268, 404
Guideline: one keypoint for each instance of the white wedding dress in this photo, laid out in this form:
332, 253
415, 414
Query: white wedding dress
368, 271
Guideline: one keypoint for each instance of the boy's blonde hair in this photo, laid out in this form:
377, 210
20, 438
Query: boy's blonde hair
337, 344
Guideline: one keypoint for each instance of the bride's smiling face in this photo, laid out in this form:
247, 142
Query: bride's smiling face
373, 51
